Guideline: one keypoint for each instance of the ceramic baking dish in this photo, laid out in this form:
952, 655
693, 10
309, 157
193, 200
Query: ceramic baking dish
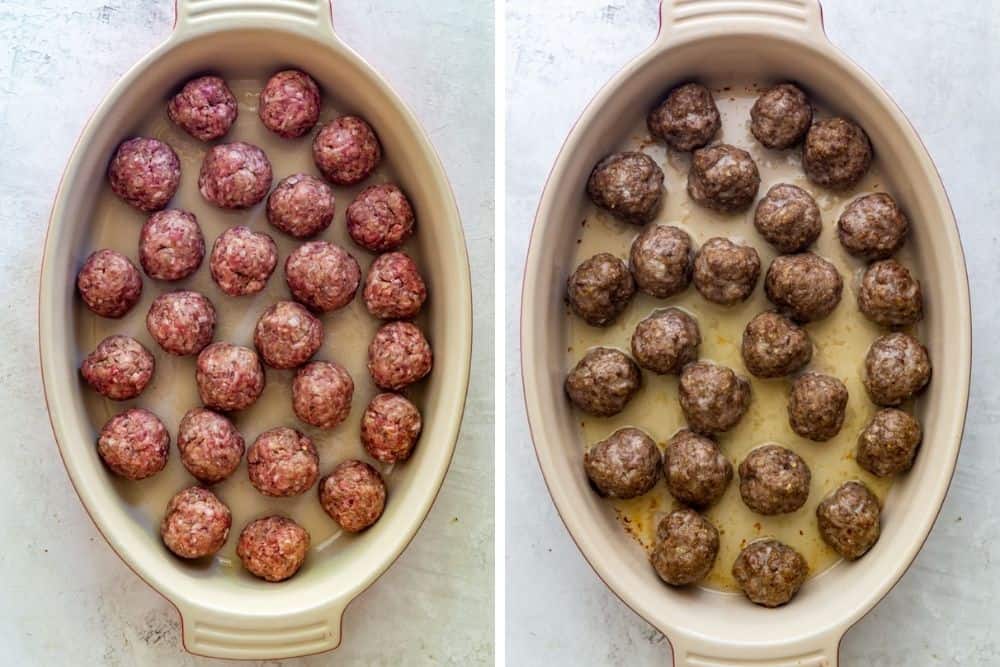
224, 611
765, 41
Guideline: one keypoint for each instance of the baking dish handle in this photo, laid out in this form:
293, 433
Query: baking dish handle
715, 16
817, 651
313, 17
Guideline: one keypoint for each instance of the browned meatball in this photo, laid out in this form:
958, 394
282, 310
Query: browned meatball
120, 367
390, 427
282, 462
850, 520
726, 272
398, 356
171, 245
289, 103
603, 382
353, 495
712, 397
287, 335
872, 227
661, 260
181, 322
145, 173
774, 346
788, 218
836, 153
380, 218
229, 376
686, 119
322, 275
242, 260
770, 573
697, 473
781, 116
134, 444
209, 445
205, 108
889, 295
805, 286
394, 288
685, 549
236, 175
816, 406
723, 178
889, 442
624, 465
628, 185
774, 480
897, 367
666, 341
301, 205
109, 283
321, 394
346, 150
196, 523
273, 548
600, 289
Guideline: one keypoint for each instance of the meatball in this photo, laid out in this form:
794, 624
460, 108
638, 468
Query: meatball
889, 442
282, 462
229, 376
781, 116
322, 275
109, 283
321, 394
666, 341
788, 218
726, 272
685, 549
774, 346
181, 322
897, 367
600, 289
398, 356
287, 335
236, 175
836, 153
687, 119
872, 227
273, 548
380, 218
289, 103
205, 108
118, 368
625, 465
849, 520
134, 444
242, 260
713, 398
390, 427
889, 295
603, 382
145, 173
661, 260
696, 471
171, 245
805, 286
196, 523
394, 288
770, 573
301, 206
209, 445
346, 151
774, 480
628, 185
816, 406
723, 178
353, 495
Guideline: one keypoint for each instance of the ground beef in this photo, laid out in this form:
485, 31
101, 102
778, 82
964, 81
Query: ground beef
229, 377
872, 227
774, 346
726, 272
666, 341
380, 218
713, 398
289, 103
774, 480
850, 520
145, 173
134, 444
109, 283
685, 549
889, 443
628, 185
118, 368
625, 465
770, 573
346, 151
282, 462
394, 288
805, 286
661, 260
889, 295
181, 322
686, 119
273, 548
171, 245
398, 356
301, 206
321, 394
897, 367
236, 175
816, 406
600, 289
353, 495
788, 218
696, 471
209, 445
205, 108
836, 153
287, 335
603, 382
723, 178
196, 523
242, 260
781, 116
322, 275
390, 427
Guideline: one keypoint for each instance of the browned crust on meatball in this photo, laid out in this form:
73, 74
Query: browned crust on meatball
289, 103
282, 462
390, 427
603, 382
134, 444
109, 283
889, 295
301, 205
322, 275
685, 549
624, 465
666, 341
120, 368
872, 227
781, 116
171, 245
287, 335
687, 118
788, 218
628, 185
242, 261
145, 173
770, 573
774, 346
353, 495
816, 406
600, 289
196, 523
805, 286
726, 272
181, 322
723, 178
774, 480
229, 376
210, 445
322, 392
346, 150
836, 153
235, 175
897, 367
273, 548
661, 260
888, 444
380, 218
696, 470
398, 356
850, 520
712, 397
394, 288
205, 108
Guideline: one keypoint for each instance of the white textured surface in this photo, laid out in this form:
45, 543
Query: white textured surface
65, 598
939, 61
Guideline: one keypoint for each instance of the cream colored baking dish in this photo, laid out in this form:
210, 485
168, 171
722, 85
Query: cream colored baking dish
757, 40
224, 611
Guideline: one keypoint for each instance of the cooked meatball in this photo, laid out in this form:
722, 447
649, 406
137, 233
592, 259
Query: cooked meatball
321, 394
666, 341
181, 322
229, 376
723, 178
390, 427
726, 272
282, 462
119, 368
236, 175
774, 480
242, 260
686, 547
171, 245
816, 406
145, 173
353, 495
134, 444
872, 227
889, 442
603, 382
205, 108
322, 275
788, 218
805, 286
781, 116
109, 283
889, 295
287, 335
209, 445
600, 289
625, 465
289, 103
697, 473
196, 523
661, 260
628, 185
897, 367
770, 573
687, 119
380, 218
774, 346
398, 356
836, 153
273, 548
301, 206
849, 520
346, 150
394, 288
712, 397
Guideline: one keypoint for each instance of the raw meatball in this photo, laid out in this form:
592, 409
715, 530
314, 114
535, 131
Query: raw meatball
346, 151
816, 406
687, 119
889, 295
321, 394
686, 547
196, 523
236, 175
289, 103
850, 520
600, 289
628, 185
171, 246
788, 218
661, 260
836, 153
181, 322
209, 445
322, 275
301, 206
205, 108
145, 173
774, 480
242, 260
603, 382
287, 335
273, 548
805, 286
774, 346
229, 376
712, 397
872, 227
353, 495
723, 178
109, 283
770, 573
896, 368
134, 444
398, 356
390, 427
394, 288
282, 462
781, 116
625, 465
697, 473
119, 368
380, 218
889, 442
666, 341
726, 272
